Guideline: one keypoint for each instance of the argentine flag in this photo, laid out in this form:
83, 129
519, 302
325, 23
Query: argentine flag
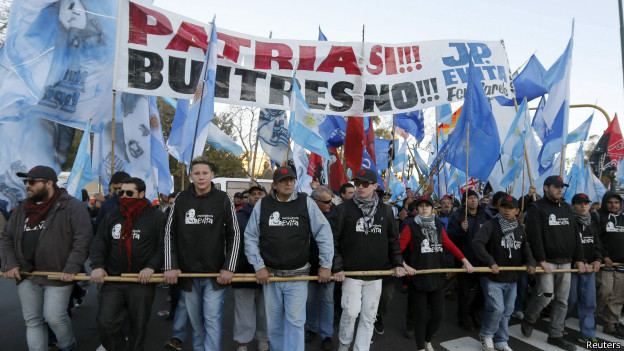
81, 170
303, 126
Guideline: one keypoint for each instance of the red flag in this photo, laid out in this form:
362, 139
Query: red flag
609, 150
315, 168
370, 140
337, 175
354, 143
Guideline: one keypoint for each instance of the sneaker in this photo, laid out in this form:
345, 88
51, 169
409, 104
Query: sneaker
174, 344
309, 336
518, 314
241, 347
428, 346
584, 341
410, 334
487, 343
379, 327
559, 342
343, 347
613, 330
504, 348
526, 328
263, 345
327, 344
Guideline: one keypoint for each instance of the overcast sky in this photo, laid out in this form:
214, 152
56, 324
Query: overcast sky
526, 27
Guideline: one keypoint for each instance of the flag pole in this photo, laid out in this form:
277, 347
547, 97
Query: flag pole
563, 147
113, 135
467, 158
437, 150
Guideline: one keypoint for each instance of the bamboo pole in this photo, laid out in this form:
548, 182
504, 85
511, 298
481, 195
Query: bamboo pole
467, 177
113, 134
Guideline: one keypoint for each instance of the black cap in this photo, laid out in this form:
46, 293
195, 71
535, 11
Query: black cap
366, 175
554, 180
509, 200
40, 172
239, 194
424, 198
580, 197
468, 193
118, 177
283, 173
256, 187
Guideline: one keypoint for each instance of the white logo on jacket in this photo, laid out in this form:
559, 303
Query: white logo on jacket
191, 218
511, 243
359, 227
426, 247
614, 228
553, 220
117, 231
275, 221
38, 227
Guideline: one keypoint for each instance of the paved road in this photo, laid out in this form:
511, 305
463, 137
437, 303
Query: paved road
450, 337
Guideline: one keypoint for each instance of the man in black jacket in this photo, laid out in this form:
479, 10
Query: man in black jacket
501, 242
129, 240
202, 236
54, 228
367, 239
249, 313
555, 243
112, 203
461, 230
610, 280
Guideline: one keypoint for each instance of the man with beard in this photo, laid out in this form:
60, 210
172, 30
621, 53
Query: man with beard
129, 240
55, 228
553, 235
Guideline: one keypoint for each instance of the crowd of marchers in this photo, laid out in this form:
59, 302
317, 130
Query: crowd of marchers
282, 233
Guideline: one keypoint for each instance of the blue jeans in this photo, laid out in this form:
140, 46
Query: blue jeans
43, 304
320, 308
180, 317
204, 306
285, 304
499, 305
583, 294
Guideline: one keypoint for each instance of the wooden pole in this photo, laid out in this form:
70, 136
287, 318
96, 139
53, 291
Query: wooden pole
113, 134
467, 158
563, 147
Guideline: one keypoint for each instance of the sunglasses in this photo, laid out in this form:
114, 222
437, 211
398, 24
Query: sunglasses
365, 185
32, 181
325, 202
127, 192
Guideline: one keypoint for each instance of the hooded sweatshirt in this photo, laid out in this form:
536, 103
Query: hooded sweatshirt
611, 230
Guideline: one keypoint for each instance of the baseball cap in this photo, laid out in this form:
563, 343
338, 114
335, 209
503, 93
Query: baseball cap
554, 180
239, 194
580, 197
257, 187
424, 198
468, 193
283, 173
40, 172
509, 200
366, 175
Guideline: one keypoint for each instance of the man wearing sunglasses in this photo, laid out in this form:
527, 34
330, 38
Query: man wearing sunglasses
129, 240
277, 240
367, 241
49, 231
112, 203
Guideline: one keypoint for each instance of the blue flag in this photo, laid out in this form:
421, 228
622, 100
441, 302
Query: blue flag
321, 36
400, 158
382, 152
483, 133
81, 169
273, 134
514, 142
558, 81
333, 129
538, 124
576, 177
444, 114
159, 155
367, 163
304, 127
180, 140
554, 142
413, 123
580, 133
221, 141
530, 83
424, 168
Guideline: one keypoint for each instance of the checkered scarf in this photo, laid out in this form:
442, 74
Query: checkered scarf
368, 208
508, 226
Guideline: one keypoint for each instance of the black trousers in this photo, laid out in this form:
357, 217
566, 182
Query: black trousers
115, 299
469, 295
388, 289
426, 324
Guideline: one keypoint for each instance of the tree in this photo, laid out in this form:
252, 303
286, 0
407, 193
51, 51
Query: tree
5, 6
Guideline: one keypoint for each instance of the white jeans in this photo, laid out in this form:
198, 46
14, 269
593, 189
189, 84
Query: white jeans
359, 297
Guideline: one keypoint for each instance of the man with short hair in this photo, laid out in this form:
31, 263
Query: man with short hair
249, 311
55, 228
446, 210
202, 236
461, 231
320, 304
111, 204
367, 240
346, 192
610, 280
129, 240
277, 240
555, 244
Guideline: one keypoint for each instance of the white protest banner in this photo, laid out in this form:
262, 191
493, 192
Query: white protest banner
161, 53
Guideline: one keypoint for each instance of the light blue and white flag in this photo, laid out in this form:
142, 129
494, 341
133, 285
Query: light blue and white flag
558, 81
221, 141
514, 142
539, 125
581, 132
304, 126
159, 155
444, 114
594, 188
424, 167
400, 158
301, 160
397, 188
273, 134
619, 173
57, 62
80, 174
576, 177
